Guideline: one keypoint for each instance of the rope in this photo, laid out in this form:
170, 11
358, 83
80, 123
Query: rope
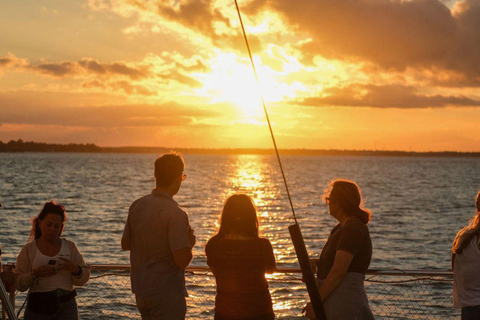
266, 112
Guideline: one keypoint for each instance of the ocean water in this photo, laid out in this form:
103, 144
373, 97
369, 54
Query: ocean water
418, 204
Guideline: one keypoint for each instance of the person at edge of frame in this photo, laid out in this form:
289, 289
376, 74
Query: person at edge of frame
160, 240
466, 267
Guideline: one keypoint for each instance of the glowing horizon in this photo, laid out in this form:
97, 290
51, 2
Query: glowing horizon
116, 73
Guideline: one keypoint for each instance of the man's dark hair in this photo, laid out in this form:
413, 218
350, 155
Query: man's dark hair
167, 168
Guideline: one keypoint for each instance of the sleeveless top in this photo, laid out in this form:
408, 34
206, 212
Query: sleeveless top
466, 276
61, 280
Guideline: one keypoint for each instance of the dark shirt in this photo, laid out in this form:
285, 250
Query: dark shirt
353, 237
239, 267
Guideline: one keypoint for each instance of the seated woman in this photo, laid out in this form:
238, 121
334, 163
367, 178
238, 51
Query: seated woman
50, 266
239, 259
466, 267
346, 256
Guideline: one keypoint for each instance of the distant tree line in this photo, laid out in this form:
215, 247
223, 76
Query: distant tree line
30, 146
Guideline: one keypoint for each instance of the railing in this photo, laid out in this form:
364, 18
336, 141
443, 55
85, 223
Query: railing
393, 294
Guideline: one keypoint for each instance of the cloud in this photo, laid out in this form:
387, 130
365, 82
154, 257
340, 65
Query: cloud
45, 109
393, 34
389, 96
173, 67
124, 86
90, 66
11, 61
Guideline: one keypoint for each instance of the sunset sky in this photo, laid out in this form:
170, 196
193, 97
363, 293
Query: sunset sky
336, 74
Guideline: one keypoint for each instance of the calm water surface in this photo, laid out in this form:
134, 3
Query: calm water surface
418, 204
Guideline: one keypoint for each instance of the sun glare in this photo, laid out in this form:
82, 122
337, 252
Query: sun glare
234, 82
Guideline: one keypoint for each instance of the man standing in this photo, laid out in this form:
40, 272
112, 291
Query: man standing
160, 240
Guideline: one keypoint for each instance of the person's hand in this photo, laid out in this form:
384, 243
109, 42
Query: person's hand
44, 272
191, 235
8, 277
308, 309
67, 264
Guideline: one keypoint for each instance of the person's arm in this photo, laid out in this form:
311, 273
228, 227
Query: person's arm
23, 274
336, 274
181, 239
183, 257
125, 242
126, 237
81, 274
453, 261
270, 258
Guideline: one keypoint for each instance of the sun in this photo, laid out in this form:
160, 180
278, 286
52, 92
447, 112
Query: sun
234, 82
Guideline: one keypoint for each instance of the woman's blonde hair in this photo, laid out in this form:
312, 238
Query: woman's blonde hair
465, 235
348, 195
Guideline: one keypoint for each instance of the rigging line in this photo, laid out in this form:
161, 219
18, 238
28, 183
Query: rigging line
266, 113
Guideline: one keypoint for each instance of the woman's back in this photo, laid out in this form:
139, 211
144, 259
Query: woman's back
239, 267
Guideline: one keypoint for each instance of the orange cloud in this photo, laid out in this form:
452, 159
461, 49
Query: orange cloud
387, 96
174, 68
392, 34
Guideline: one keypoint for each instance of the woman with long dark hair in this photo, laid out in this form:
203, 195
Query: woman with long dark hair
466, 267
239, 259
49, 266
346, 255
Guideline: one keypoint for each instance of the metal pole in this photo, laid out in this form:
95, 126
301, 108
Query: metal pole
295, 232
6, 304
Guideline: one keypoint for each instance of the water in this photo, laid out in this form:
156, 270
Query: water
418, 204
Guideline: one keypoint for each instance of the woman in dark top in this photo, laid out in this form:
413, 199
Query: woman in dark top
346, 256
239, 259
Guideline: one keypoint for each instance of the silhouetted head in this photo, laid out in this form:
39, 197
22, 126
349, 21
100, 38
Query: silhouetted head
169, 169
50, 222
239, 216
345, 195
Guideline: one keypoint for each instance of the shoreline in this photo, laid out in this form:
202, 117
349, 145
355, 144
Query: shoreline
22, 147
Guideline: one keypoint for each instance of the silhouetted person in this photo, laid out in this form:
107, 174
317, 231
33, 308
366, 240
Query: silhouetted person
346, 256
50, 266
466, 267
239, 259
160, 241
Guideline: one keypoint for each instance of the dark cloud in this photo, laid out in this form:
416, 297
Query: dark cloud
5, 61
175, 70
390, 96
202, 17
83, 67
394, 34
56, 69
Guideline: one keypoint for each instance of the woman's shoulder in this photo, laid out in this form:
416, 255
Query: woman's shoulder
264, 241
71, 244
355, 222
29, 245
